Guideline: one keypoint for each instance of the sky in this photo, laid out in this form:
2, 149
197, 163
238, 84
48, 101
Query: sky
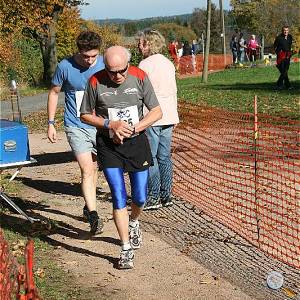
139, 9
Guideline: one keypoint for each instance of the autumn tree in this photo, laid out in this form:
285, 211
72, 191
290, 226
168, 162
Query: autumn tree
9, 58
70, 25
109, 34
37, 19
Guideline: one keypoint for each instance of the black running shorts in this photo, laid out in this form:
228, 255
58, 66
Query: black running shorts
133, 155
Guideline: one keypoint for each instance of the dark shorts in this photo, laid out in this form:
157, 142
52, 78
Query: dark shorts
133, 155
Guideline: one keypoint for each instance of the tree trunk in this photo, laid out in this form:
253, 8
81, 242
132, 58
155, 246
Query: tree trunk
48, 49
205, 63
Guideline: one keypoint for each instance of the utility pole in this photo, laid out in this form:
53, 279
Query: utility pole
205, 63
203, 46
222, 28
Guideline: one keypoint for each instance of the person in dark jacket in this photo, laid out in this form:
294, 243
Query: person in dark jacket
283, 46
234, 46
186, 49
186, 59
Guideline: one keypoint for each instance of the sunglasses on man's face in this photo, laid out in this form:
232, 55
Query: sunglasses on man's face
121, 72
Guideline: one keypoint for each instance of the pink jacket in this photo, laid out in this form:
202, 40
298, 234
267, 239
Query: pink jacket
253, 44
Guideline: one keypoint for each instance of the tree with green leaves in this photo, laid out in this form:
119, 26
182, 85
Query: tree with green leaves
179, 32
266, 17
199, 22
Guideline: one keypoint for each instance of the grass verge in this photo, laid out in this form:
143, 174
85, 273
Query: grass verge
52, 282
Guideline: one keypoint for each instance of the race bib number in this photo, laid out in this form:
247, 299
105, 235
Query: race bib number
128, 114
78, 97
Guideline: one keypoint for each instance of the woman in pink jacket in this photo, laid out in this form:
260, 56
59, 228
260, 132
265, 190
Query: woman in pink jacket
253, 47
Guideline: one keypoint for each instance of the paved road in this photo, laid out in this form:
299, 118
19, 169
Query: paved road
28, 104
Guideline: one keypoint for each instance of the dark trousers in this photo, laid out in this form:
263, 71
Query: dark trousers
283, 68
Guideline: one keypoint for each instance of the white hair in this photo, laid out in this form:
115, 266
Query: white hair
128, 53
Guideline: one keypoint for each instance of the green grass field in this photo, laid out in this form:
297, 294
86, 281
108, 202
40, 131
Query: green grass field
234, 89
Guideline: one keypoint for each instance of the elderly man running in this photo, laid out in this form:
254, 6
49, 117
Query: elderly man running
117, 95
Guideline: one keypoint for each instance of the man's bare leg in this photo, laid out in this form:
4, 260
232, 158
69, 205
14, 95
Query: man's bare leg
88, 167
121, 220
135, 211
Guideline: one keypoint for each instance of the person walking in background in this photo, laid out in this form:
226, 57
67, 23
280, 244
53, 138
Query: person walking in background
161, 73
234, 46
195, 49
179, 50
283, 46
173, 52
113, 102
186, 49
242, 48
72, 74
253, 47
186, 62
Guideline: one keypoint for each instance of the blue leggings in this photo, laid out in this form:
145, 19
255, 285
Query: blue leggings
138, 180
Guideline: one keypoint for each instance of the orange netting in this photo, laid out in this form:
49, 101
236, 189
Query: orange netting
194, 63
16, 281
249, 182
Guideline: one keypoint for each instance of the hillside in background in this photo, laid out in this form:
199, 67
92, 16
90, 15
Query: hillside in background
111, 21
129, 27
153, 20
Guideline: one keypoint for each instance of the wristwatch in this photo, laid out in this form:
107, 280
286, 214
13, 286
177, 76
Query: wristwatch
106, 123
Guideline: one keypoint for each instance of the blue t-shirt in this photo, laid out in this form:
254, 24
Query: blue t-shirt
73, 79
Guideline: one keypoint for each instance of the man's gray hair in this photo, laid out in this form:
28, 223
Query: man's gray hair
128, 54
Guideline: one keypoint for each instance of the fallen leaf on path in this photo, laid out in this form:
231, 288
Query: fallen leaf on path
290, 293
209, 280
40, 273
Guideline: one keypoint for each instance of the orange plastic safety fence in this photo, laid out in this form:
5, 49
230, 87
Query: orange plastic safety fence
8, 271
194, 63
248, 181
16, 281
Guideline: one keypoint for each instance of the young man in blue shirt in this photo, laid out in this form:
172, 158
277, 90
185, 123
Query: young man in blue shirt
72, 75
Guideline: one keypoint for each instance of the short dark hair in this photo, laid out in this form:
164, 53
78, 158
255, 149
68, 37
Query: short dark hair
88, 40
285, 26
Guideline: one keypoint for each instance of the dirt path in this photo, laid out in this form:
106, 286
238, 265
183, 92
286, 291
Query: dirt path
161, 271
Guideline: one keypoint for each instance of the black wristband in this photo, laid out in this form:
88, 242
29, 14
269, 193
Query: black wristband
51, 122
